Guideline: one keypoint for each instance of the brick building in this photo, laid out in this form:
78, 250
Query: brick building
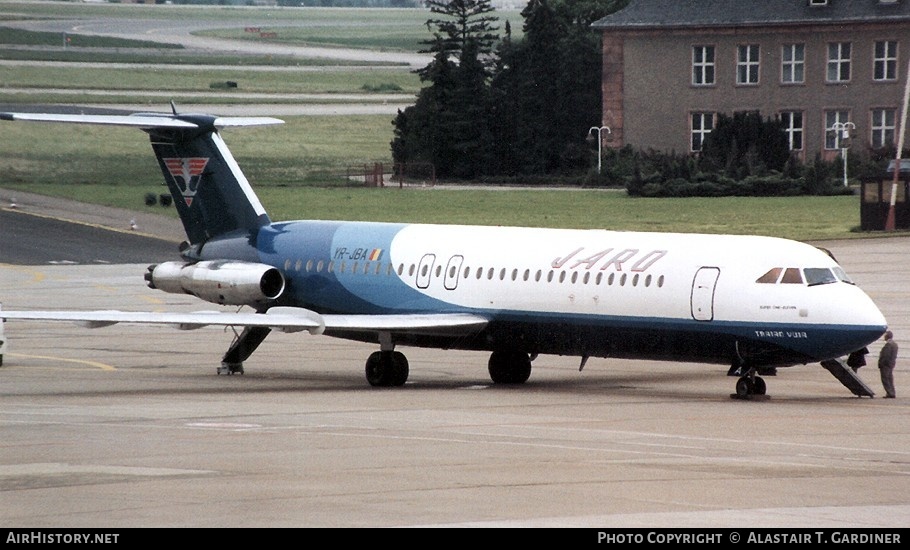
670, 67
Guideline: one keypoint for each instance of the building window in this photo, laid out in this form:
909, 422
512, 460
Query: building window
883, 127
838, 62
884, 66
747, 64
834, 121
793, 64
703, 65
702, 124
793, 127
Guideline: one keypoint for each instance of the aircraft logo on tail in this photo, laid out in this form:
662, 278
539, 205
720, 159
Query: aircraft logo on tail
186, 173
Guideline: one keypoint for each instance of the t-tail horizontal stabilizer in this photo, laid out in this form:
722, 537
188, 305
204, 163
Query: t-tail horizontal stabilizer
211, 193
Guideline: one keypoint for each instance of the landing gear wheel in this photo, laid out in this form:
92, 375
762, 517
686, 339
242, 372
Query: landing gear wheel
744, 387
509, 367
759, 387
400, 369
387, 368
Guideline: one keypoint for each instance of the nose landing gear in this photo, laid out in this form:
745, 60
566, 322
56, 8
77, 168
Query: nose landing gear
750, 386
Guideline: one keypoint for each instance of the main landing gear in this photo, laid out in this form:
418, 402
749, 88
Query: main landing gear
387, 368
509, 367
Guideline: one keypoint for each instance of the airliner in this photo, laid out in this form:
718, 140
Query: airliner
752, 303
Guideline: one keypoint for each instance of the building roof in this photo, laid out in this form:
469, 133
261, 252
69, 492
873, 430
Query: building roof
668, 14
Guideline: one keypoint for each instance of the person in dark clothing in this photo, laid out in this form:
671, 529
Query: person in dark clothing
886, 361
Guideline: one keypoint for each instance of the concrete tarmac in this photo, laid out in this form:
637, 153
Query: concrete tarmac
129, 426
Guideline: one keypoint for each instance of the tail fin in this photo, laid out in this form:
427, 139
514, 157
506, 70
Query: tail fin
212, 195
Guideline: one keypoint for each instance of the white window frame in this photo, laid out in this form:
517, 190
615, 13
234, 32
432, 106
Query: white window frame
883, 127
794, 126
793, 64
748, 63
839, 61
701, 124
884, 63
704, 71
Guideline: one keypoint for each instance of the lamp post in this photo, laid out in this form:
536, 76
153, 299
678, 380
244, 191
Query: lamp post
600, 141
844, 129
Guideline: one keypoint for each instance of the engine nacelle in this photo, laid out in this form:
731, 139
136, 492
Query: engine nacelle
223, 282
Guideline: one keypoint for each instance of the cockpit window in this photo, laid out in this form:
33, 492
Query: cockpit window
813, 276
792, 276
819, 276
770, 277
841, 275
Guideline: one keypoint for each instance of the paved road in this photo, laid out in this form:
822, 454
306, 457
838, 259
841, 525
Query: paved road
31, 240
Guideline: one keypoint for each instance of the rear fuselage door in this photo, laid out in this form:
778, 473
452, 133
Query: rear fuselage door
703, 293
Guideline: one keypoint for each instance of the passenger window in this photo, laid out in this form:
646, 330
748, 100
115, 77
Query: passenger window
819, 276
770, 277
792, 276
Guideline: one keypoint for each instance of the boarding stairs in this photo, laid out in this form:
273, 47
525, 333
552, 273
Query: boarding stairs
848, 378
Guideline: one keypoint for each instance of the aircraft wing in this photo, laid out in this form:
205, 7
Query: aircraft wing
284, 319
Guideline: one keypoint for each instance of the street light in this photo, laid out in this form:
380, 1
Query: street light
600, 141
844, 128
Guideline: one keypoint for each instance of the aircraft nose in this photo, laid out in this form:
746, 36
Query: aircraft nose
866, 317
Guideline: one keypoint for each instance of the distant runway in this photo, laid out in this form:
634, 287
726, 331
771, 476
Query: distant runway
130, 427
